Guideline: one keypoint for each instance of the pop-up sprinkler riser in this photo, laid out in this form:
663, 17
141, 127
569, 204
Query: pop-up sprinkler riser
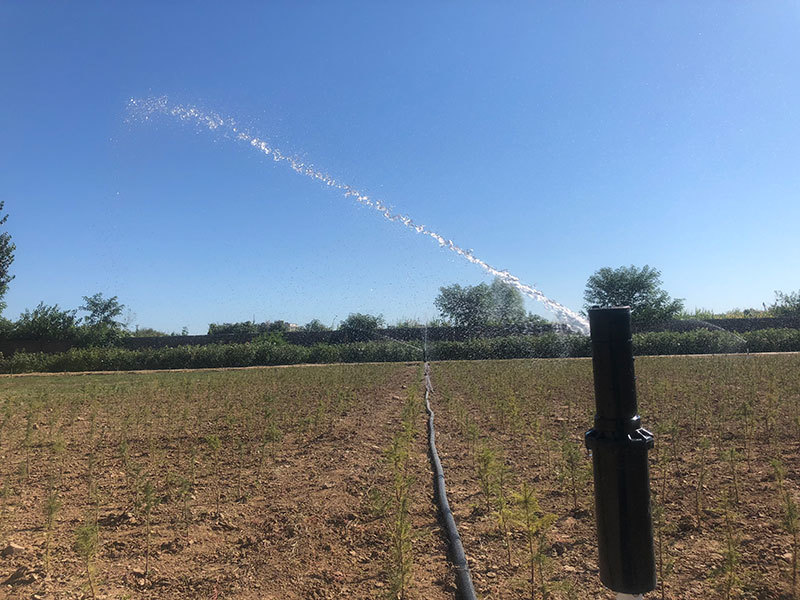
619, 447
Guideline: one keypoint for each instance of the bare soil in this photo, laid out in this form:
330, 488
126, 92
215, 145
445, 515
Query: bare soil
302, 516
308, 532
526, 412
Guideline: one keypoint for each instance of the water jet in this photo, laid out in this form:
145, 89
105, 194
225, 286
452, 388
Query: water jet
145, 108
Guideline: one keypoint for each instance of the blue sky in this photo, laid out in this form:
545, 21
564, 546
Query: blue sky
552, 139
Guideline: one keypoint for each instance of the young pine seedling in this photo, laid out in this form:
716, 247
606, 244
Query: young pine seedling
705, 445
215, 445
503, 507
746, 414
791, 518
59, 449
400, 523
241, 450
400, 531
149, 501
729, 576
271, 436
52, 504
93, 493
732, 458
473, 436
664, 562
30, 417
486, 466
184, 490
86, 538
576, 472
401, 547
534, 524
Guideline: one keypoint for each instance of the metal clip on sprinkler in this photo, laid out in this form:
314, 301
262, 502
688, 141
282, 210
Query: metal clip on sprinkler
619, 454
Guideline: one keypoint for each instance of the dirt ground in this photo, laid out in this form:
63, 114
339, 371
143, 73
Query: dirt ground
308, 532
303, 514
700, 408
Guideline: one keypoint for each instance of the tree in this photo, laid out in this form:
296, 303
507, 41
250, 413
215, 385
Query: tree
278, 326
148, 332
469, 306
47, 323
538, 320
408, 324
508, 305
6, 328
786, 304
639, 288
6, 258
358, 327
102, 311
481, 305
242, 328
315, 325
101, 327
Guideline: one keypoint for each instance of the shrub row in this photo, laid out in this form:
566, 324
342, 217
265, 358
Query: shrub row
549, 345
210, 356
700, 341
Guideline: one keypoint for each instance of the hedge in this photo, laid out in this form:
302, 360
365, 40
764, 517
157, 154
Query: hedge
549, 345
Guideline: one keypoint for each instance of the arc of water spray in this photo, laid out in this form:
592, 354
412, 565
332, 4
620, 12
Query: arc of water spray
214, 122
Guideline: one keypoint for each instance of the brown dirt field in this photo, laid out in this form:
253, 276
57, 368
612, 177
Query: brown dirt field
308, 532
683, 400
308, 526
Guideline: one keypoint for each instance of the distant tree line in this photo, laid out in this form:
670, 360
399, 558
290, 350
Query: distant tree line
482, 305
786, 304
7, 248
248, 328
641, 289
473, 307
99, 327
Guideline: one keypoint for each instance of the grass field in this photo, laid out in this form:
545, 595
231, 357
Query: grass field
313, 482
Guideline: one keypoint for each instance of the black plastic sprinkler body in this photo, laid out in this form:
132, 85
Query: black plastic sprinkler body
619, 448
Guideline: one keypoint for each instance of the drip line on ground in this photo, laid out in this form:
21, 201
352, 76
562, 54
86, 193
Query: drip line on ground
464, 587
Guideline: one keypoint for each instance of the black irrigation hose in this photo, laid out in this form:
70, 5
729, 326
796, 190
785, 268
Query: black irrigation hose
464, 589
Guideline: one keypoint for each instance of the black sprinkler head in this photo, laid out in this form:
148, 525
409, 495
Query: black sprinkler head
619, 459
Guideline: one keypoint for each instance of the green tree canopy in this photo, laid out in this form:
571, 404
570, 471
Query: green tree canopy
47, 323
278, 326
786, 304
103, 312
240, 328
508, 305
149, 332
6, 258
101, 326
361, 327
481, 305
315, 325
468, 306
408, 324
639, 288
